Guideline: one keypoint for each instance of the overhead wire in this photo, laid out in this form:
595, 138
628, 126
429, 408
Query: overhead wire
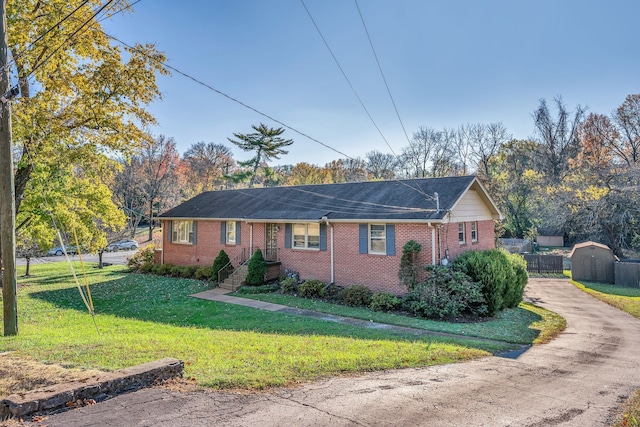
72, 35
366, 30
355, 92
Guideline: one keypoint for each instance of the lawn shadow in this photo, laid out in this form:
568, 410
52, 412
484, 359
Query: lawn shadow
166, 300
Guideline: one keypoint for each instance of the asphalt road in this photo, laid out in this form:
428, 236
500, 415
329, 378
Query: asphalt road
574, 381
119, 257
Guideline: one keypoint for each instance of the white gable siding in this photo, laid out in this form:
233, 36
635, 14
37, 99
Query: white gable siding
470, 207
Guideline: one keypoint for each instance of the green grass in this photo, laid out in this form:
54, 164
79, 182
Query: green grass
143, 317
625, 299
520, 325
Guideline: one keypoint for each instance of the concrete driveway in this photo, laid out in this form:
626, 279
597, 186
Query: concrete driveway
574, 381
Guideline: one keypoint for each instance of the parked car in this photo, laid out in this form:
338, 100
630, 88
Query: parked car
124, 245
57, 251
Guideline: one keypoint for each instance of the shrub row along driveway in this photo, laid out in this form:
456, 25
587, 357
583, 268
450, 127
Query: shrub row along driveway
575, 380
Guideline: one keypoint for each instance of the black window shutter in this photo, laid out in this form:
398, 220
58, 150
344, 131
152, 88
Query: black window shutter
323, 237
169, 231
223, 232
391, 239
238, 232
287, 235
363, 239
195, 232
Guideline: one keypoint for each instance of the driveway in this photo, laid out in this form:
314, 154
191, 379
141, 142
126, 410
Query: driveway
573, 381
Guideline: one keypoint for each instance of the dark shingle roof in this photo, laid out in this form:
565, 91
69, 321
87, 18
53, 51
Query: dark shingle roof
389, 200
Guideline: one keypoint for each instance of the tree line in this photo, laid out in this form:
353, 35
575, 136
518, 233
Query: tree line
577, 177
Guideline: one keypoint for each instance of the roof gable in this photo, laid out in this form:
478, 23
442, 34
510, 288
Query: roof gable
411, 199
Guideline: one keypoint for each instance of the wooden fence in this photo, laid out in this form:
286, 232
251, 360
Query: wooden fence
550, 264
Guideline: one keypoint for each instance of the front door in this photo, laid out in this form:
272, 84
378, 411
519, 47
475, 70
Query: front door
271, 244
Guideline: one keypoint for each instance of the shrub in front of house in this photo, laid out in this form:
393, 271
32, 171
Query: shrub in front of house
142, 258
257, 269
515, 287
311, 288
384, 301
502, 283
446, 293
288, 285
357, 296
162, 269
221, 260
204, 273
409, 268
146, 268
332, 292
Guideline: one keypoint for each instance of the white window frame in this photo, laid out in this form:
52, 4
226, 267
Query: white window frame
309, 240
474, 231
182, 232
230, 234
382, 239
462, 233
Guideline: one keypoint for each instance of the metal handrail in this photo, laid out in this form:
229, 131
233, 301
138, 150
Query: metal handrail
227, 270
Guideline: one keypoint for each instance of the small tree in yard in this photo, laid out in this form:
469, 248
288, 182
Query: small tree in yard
257, 269
221, 260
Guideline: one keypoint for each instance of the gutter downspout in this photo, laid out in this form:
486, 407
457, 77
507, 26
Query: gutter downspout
333, 278
250, 237
333, 273
433, 244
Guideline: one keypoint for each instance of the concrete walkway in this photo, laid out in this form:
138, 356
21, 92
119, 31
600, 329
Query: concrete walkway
220, 295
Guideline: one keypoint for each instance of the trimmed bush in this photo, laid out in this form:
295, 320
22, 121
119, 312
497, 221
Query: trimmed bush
221, 260
189, 271
257, 269
409, 268
177, 271
446, 293
288, 285
204, 273
162, 269
332, 292
384, 301
357, 296
515, 287
501, 279
146, 268
311, 288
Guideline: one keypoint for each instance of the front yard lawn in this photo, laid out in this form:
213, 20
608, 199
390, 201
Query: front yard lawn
141, 318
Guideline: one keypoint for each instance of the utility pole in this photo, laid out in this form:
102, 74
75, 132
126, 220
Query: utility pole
7, 191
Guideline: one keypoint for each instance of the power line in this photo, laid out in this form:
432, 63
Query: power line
381, 73
345, 76
219, 92
41, 36
38, 65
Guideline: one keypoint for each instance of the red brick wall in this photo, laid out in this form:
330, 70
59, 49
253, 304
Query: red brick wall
449, 238
207, 248
378, 272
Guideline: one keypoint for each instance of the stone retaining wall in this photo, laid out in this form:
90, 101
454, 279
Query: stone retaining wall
98, 387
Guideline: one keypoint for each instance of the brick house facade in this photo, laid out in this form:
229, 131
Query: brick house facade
338, 233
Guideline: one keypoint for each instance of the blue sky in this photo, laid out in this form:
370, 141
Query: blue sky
447, 63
